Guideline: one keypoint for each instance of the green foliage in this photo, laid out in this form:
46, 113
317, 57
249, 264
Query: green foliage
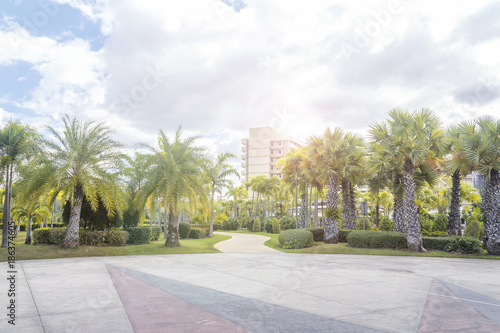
343, 235
465, 245
91, 237
140, 235
276, 226
287, 223
256, 225
425, 224
434, 234
115, 237
318, 234
155, 233
230, 224
131, 218
268, 227
90, 219
440, 223
333, 212
57, 236
41, 236
184, 230
197, 233
436, 243
367, 224
296, 239
377, 239
386, 223
474, 227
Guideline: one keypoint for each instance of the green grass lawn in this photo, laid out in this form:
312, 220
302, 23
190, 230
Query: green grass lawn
343, 248
41, 251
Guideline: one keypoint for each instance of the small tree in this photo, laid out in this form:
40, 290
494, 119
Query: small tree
256, 225
276, 226
385, 223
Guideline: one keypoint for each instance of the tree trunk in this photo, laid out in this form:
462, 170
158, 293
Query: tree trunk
352, 208
331, 226
316, 223
251, 207
414, 236
172, 229
309, 210
303, 210
28, 233
491, 240
346, 220
6, 210
159, 214
454, 215
165, 223
377, 211
296, 205
398, 214
235, 208
211, 231
72, 235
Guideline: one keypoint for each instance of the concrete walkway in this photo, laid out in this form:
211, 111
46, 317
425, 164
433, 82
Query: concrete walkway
258, 292
244, 243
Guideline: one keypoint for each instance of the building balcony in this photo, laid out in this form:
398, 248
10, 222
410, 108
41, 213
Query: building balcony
243, 164
243, 156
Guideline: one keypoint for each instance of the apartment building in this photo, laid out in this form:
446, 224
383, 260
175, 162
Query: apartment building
262, 150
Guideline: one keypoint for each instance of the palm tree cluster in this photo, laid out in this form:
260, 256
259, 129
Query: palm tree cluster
400, 162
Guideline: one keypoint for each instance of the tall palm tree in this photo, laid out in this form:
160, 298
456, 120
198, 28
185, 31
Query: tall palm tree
269, 186
82, 160
238, 193
417, 137
16, 141
176, 173
291, 164
218, 173
482, 147
29, 211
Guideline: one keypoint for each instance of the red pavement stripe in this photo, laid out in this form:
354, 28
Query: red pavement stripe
447, 314
153, 310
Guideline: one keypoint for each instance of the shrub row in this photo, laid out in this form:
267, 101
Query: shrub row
184, 230
343, 235
197, 233
139, 235
295, 238
318, 234
376, 239
56, 236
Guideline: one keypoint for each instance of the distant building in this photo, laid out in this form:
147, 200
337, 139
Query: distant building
262, 149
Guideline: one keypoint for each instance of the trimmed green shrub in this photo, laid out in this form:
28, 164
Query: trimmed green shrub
256, 225
466, 245
141, 235
197, 233
245, 220
276, 226
474, 228
268, 227
385, 223
367, 224
440, 223
184, 230
115, 237
377, 239
318, 234
343, 235
436, 243
57, 236
287, 223
91, 237
41, 236
296, 239
155, 233
425, 224
230, 224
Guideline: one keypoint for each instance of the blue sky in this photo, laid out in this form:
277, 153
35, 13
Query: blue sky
218, 67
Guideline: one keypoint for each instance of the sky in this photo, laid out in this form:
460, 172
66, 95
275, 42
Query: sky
219, 67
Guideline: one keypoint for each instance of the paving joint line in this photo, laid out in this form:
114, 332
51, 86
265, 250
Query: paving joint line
33, 298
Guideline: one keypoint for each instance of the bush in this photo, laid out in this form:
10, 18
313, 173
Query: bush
184, 230
377, 239
296, 239
436, 243
140, 235
425, 224
367, 224
115, 237
268, 227
440, 223
90, 237
287, 223
245, 221
343, 235
318, 234
256, 225
41, 236
474, 228
57, 236
230, 224
385, 223
464, 245
197, 233
155, 233
276, 226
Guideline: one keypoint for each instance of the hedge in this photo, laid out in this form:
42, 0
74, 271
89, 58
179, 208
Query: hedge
318, 234
435, 243
197, 233
377, 239
155, 233
56, 236
296, 238
343, 235
184, 230
465, 245
140, 235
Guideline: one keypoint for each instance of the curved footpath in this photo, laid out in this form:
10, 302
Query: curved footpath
243, 243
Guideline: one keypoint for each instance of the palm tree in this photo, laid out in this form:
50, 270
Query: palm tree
82, 161
417, 137
269, 186
176, 173
30, 211
291, 166
482, 147
16, 140
238, 193
217, 173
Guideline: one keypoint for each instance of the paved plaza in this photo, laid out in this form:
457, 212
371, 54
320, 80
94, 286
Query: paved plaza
255, 292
